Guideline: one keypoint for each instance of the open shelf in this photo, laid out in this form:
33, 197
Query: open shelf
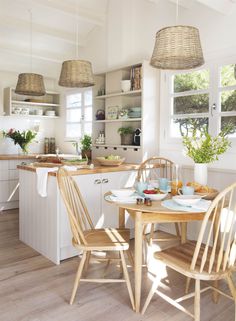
117, 120
117, 146
32, 116
29, 103
127, 93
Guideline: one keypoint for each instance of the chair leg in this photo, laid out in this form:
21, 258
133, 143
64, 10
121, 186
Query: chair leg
151, 234
233, 292
126, 276
187, 285
150, 294
78, 276
197, 301
86, 265
177, 229
130, 258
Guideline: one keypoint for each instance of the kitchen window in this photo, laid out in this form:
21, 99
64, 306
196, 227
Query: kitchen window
203, 98
79, 113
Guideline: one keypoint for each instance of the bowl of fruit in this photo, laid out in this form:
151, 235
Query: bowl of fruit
111, 160
154, 194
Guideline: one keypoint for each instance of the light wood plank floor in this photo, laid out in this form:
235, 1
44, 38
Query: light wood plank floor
34, 289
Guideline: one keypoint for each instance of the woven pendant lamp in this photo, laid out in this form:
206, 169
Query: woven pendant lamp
177, 48
76, 74
29, 83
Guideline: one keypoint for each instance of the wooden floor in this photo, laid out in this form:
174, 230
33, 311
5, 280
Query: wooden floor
34, 289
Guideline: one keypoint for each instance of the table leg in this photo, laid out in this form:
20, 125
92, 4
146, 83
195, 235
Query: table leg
183, 232
121, 217
138, 259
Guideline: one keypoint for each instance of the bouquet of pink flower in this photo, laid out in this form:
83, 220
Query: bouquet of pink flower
23, 139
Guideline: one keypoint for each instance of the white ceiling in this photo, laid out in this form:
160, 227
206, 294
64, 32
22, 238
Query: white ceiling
54, 25
54, 28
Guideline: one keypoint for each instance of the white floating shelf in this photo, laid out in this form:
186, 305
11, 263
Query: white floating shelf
117, 120
118, 146
31, 116
127, 93
29, 103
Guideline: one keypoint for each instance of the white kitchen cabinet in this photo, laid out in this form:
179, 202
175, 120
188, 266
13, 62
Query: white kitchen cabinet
93, 187
44, 223
9, 183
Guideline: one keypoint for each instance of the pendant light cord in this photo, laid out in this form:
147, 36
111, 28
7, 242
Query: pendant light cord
177, 12
31, 39
77, 31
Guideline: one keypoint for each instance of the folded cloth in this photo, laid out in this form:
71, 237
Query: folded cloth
42, 179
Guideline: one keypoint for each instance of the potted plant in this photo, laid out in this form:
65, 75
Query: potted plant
23, 139
126, 135
86, 144
204, 148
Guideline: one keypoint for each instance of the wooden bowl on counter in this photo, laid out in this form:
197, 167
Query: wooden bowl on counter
110, 162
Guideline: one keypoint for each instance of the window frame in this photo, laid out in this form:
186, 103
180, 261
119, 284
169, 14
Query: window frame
166, 140
82, 121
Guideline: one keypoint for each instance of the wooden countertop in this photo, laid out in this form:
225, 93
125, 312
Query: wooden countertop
16, 156
97, 169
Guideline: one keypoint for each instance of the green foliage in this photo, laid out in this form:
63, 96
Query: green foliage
228, 75
23, 139
86, 142
204, 148
199, 103
191, 81
125, 130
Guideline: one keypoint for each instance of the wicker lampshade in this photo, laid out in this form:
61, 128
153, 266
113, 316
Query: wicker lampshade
30, 84
177, 48
76, 74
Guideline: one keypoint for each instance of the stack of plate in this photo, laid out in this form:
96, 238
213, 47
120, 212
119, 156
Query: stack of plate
50, 113
134, 112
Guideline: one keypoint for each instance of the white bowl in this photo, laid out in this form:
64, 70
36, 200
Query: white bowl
156, 197
186, 200
124, 192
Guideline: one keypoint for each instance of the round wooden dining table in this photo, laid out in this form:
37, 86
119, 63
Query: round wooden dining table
142, 215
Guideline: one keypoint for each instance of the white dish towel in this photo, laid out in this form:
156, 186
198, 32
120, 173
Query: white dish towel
42, 179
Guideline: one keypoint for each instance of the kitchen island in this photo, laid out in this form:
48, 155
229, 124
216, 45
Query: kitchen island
43, 220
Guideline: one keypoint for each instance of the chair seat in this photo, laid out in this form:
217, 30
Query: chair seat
109, 239
180, 257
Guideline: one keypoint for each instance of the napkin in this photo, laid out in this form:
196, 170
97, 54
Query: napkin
130, 199
42, 179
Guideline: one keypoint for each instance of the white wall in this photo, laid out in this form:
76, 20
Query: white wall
46, 127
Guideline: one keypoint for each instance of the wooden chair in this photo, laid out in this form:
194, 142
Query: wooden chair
86, 238
152, 169
211, 258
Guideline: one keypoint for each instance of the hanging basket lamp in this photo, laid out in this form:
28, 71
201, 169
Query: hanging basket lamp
30, 84
76, 74
177, 48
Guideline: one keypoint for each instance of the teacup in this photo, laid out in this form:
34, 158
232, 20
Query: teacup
186, 190
163, 184
141, 186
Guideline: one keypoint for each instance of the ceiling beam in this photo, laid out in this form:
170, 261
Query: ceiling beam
84, 14
62, 35
41, 55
